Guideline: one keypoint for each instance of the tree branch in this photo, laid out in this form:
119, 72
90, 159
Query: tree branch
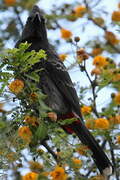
113, 159
18, 17
49, 150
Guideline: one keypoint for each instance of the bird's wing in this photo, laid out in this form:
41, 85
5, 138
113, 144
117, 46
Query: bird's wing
61, 78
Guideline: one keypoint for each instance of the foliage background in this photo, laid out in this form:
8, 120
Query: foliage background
100, 91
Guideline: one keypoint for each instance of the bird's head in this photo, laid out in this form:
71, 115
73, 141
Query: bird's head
35, 25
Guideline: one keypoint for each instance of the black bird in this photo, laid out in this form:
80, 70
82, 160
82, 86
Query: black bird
55, 82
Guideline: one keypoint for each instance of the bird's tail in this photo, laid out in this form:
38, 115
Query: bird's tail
100, 158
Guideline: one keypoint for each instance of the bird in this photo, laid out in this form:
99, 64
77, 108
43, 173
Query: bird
56, 84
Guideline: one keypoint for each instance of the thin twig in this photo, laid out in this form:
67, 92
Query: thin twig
49, 150
86, 4
113, 159
58, 25
93, 86
91, 82
18, 17
96, 3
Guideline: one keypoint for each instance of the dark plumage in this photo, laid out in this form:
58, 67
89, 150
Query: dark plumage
55, 82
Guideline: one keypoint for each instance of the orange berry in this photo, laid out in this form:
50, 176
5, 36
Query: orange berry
116, 77
32, 120
117, 98
33, 96
81, 55
35, 166
30, 176
11, 156
81, 51
111, 37
116, 16
96, 51
58, 173
113, 120
2, 108
100, 61
102, 123
65, 34
16, 86
77, 163
96, 71
86, 109
117, 119
62, 57
79, 11
52, 116
25, 133
10, 2
118, 139
82, 150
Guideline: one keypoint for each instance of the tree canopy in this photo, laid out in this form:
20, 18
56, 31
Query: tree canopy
85, 35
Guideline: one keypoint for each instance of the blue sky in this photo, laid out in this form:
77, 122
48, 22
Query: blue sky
47, 4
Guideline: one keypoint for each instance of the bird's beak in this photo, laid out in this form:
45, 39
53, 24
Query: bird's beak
36, 18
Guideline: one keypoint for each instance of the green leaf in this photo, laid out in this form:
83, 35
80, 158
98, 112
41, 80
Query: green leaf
6, 75
3, 86
41, 131
2, 125
67, 121
33, 76
40, 177
24, 46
